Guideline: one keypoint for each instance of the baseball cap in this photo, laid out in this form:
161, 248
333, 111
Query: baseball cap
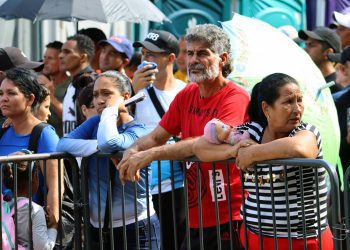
120, 44
322, 34
12, 57
159, 41
340, 57
341, 18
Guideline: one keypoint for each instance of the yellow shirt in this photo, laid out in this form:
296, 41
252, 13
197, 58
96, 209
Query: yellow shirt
181, 76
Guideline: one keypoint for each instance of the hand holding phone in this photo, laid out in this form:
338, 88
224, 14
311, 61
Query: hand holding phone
144, 63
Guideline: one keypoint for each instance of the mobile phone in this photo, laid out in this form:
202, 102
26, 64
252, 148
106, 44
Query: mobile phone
144, 63
139, 97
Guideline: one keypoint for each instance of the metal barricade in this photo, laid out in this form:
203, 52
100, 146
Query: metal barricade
112, 232
300, 164
45, 161
104, 235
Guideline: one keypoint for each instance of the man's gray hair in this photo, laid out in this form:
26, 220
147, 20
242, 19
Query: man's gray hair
216, 40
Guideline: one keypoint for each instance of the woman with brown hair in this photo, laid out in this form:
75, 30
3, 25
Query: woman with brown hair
19, 94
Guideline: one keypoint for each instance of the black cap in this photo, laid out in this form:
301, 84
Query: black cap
322, 34
159, 41
340, 57
12, 57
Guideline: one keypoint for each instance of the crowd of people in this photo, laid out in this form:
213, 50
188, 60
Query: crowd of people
76, 96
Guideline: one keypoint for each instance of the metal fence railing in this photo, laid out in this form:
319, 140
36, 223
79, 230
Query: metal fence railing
68, 201
108, 214
347, 206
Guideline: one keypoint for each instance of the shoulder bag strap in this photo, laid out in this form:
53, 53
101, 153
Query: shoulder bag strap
155, 101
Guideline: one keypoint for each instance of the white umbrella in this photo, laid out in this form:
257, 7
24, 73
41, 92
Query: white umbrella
107, 11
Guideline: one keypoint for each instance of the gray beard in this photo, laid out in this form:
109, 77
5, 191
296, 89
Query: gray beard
209, 74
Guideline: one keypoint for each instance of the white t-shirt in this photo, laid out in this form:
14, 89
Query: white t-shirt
69, 112
43, 238
145, 110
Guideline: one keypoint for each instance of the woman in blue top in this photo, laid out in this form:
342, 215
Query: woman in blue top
19, 94
112, 130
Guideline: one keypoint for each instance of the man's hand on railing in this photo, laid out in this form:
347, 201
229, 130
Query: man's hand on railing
129, 167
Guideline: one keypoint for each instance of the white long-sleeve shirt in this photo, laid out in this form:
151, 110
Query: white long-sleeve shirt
43, 238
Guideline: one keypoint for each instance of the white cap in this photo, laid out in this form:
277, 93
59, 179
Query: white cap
342, 19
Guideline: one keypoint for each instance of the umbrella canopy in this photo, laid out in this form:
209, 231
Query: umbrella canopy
259, 49
107, 11
13, 9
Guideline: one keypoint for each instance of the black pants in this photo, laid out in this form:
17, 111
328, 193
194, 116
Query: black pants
131, 241
166, 224
210, 239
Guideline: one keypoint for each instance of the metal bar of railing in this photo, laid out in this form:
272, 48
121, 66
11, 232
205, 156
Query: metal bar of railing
229, 203
30, 192
256, 182
217, 214
1, 200
244, 211
319, 233
173, 203
77, 201
85, 197
100, 226
160, 217
15, 195
347, 206
285, 171
301, 176
188, 240
110, 208
273, 207
148, 209
199, 197
137, 235
60, 227
123, 219
45, 181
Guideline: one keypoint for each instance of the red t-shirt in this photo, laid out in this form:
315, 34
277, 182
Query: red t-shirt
188, 114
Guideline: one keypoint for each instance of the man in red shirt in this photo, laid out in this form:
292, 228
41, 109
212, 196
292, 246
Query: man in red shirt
208, 95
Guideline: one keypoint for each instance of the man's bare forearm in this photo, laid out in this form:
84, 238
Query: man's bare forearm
157, 137
177, 151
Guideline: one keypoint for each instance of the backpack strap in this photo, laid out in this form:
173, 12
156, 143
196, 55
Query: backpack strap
35, 135
2, 131
20, 203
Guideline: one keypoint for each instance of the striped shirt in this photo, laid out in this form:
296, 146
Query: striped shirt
297, 207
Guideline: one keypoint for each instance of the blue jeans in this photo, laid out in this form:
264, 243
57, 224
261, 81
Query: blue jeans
131, 235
